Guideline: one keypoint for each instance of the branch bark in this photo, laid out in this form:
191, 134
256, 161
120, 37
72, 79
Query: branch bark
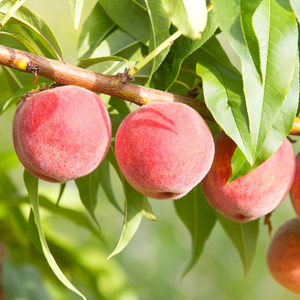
66, 74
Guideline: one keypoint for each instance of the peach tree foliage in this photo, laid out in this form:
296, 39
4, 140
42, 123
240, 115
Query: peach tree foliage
255, 105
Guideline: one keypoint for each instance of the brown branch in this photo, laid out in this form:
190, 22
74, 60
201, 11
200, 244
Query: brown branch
65, 74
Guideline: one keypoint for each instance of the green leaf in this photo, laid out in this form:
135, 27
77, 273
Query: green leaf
94, 30
18, 223
62, 187
88, 191
120, 106
29, 47
133, 212
133, 208
30, 19
130, 17
22, 281
278, 132
247, 11
187, 15
88, 62
167, 73
12, 80
244, 237
228, 16
199, 218
147, 211
31, 184
224, 97
114, 43
160, 24
296, 7
104, 179
34, 233
76, 10
278, 48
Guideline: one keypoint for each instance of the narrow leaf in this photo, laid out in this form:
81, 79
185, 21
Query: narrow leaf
278, 49
114, 43
147, 211
29, 47
62, 187
88, 191
160, 25
199, 218
25, 16
187, 15
96, 27
130, 17
76, 10
228, 16
31, 184
278, 132
12, 80
85, 63
133, 209
244, 237
133, 212
105, 181
167, 73
74, 216
224, 97
120, 106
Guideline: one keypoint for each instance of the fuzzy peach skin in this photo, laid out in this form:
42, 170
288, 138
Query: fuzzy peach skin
295, 190
164, 149
283, 255
62, 133
255, 194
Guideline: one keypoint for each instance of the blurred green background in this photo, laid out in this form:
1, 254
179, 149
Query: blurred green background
151, 265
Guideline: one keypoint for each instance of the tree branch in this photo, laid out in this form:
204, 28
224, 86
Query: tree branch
66, 74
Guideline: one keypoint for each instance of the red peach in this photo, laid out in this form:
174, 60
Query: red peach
62, 133
254, 194
164, 149
295, 190
283, 255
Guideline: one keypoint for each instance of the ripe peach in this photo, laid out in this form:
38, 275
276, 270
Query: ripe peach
295, 190
254, 194
62, 133
283, 255
164, 149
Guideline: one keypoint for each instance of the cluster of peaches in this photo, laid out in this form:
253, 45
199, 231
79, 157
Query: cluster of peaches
163, 150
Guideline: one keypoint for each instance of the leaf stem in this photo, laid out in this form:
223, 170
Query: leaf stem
161, 47
156, 51
9, 14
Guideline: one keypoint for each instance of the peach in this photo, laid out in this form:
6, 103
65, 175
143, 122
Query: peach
164, 149
254, 194
283, 255
295, 190
62, 133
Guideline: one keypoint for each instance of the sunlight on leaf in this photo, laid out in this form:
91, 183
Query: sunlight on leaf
31, 184
188, 16
76, 10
